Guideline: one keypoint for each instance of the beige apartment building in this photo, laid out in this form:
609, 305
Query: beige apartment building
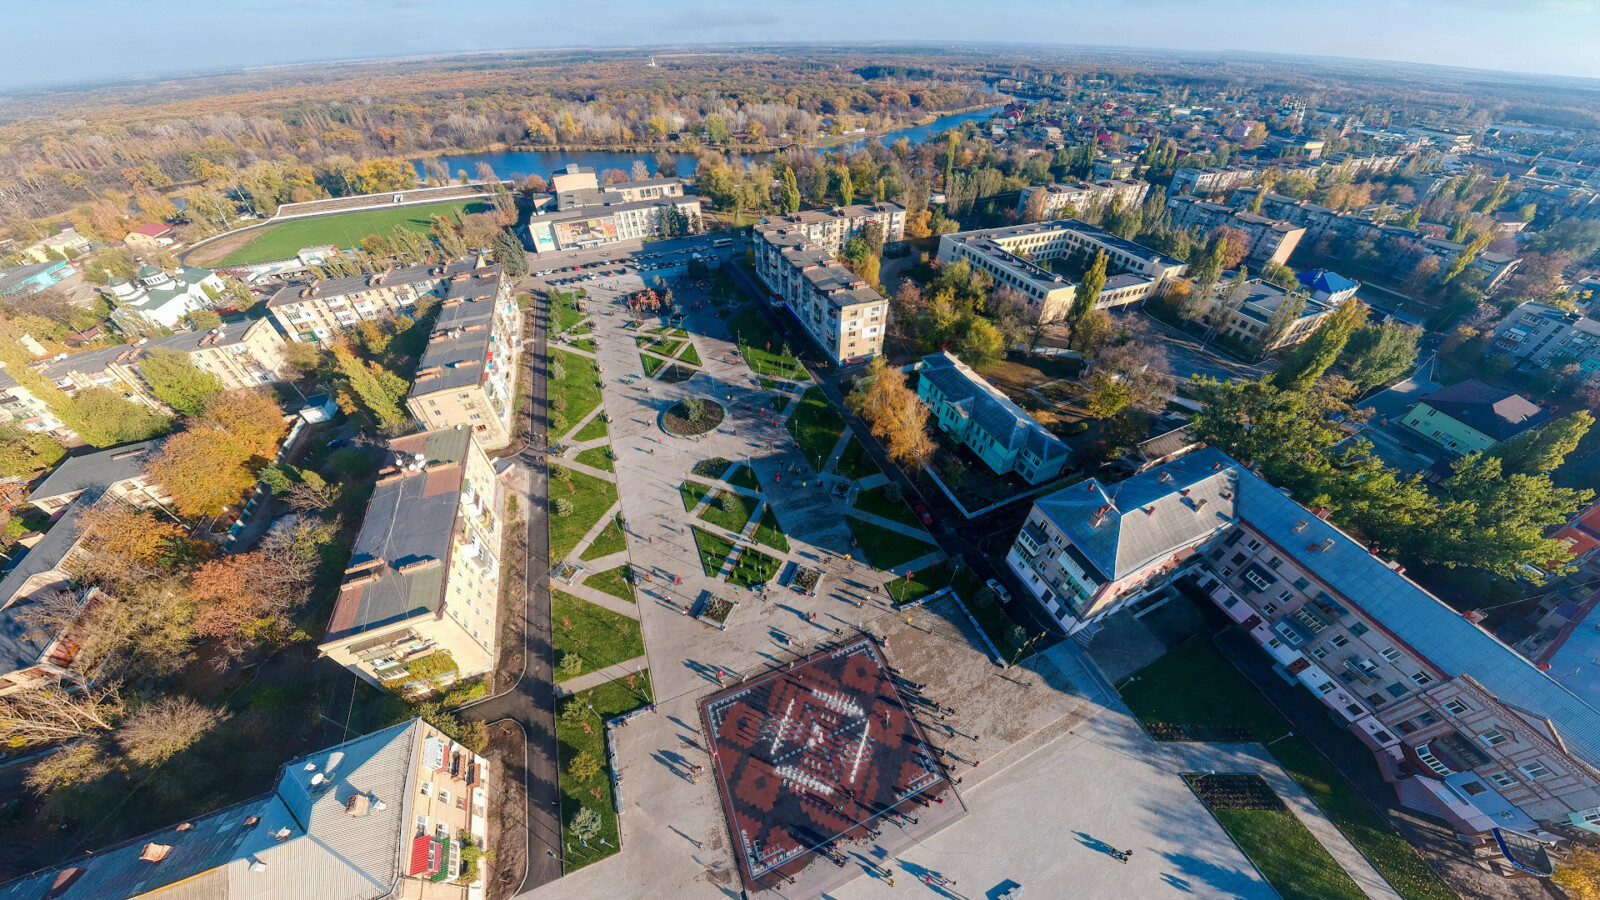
19, 405
1269, 240
316, 310
468, 374
1250, 321
831, 229
1082, 196
114, 368
118, 472
239, 354
419, 605
840, 312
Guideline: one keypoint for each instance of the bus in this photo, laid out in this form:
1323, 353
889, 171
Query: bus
721, 242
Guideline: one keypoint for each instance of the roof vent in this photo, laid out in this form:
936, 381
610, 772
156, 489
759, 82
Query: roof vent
252, 821
283, 833
1300, 526
186, 826
1150, 510
358, 804
154, 852
257, 865
1200, 504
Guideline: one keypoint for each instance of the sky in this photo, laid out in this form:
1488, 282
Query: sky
67, 41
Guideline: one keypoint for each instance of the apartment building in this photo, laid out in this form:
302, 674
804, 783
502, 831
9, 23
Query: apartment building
419, 605
1496, 267
379, 817
239, 354
1270, 240
468, 374
1461, 725
845, 316
117, 472
1540, 336
1470, 416
584, 213
1083, 196
115, 368
831, 229
19, 405
314, 311
1250, 321
976, 414
1200, 182
1013, 255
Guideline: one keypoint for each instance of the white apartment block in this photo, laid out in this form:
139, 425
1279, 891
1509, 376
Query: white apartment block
1269, 240
317, 310
1083, 196
845, 316
467, 376
831, 229
1540, 336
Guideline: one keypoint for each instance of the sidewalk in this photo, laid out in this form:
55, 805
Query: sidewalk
601, 676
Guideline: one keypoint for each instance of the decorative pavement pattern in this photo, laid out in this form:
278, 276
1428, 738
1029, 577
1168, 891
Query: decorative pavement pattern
807, 755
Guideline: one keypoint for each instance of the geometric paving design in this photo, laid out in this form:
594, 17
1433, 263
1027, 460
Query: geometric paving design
802, 756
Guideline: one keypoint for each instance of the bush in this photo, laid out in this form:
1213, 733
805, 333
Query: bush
892, 492
583, 767
571, 665
559, 404
558, 423
563, 507
560, 473
729, 502
558, 372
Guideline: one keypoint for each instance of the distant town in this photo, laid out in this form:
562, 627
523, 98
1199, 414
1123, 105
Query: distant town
803, 474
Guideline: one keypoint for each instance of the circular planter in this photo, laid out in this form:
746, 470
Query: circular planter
675, 421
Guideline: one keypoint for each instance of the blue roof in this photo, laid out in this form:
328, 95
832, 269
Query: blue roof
1324, 280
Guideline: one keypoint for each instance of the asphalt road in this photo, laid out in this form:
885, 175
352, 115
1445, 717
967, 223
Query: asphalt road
530, 701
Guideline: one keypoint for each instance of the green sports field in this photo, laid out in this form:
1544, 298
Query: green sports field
284, 240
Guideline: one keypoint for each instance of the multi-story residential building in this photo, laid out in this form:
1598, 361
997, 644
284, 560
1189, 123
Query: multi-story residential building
468, 374
114, 368
154, 299
975, 413
831, 229
1012, 256
1496, 267
239, 354
420, 601
845, 316
34, 653
378, 817
1113, 167
1460, 724
1083, 196
586, 213
1470, 416
1270, 240
117, 472
1200, 182
317, 310
1249, 322
20, 406
25, 281
1540, 336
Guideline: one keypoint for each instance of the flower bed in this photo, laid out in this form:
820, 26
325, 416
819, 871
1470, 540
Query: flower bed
1233, 791
806, 579
676, 421
715, 610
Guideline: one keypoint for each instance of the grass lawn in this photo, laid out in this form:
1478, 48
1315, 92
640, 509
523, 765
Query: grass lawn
732, 521
714, 550
597, 458
816, 427
579, 385
854, 463
585, 328
617, 582
690, 356
652, 364
762, 346
1194, 685
583, 344
610, 540
610, 699
770, 533
744, 477
692, 492
1291, 860
596, 428
664, 346
883, 548
597, 635
874, 501
772, 384
590, 500
992, 618
779, 404
563, 311
927, 580
752, 568
285, 239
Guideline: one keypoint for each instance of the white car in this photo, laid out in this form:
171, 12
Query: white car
999, 589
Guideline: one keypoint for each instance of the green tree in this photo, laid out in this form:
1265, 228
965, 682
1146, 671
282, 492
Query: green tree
103, 418
508, 252
450, 240
1465, 258
1281, 320
1544, 449
24, 453
1497, 522
382, 392
1204, 278
789, 193
1377, 353
177, 382
1315, 354
716, 129
583, 767
1088, 290
1106, 396
982, 344
845, 187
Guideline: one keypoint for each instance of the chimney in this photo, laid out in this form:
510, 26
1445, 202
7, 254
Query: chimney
1321, 512
1200, 504
154, 852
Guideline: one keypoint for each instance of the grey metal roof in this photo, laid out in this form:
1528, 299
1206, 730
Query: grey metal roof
327, 853
411, 520
100, 469
992, 411
458, 351
1122, 528
224, 335
89, 361
351, 284
10, 278
47, 555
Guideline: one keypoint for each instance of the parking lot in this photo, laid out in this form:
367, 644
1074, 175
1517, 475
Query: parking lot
570, 269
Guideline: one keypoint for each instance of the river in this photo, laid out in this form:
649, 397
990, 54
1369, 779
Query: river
522, 163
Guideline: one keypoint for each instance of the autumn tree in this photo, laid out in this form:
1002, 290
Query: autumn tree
893, 413
177, 382
1132, 373
981, 344
1281, 320
449, 239
51, 713
211, 463
1234, 244
1578, 873
1034, 209
382, 392
121, 545
158, 731
24, 454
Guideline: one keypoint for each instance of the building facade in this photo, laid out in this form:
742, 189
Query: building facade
1270, 240
1083, 196
467, 376
1012, 256
19, 405
317, 310
1470, 416
1200, 182
1249, 319
240, 354
1540, 336
830, 229
977, 415
584, 213
1461, 725
25, 281
845, 316
419, 606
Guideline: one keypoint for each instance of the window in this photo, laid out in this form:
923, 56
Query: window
1325, 688
422, 825
1494, 737
1301, 584
1319, 652
427, 788
1375, 700
1503, 779
1254, 544
1405, 727
1285, 596
1237, 558
1428, 718
1457, 707
1536, 770
1398, 689
1389, 653
1274, 563
1422, 678
1269, 609
444, 797
1358, 628
1338, 640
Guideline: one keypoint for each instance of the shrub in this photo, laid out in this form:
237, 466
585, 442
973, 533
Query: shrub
892, 492
563, 507
586, 824
571, 665
558, 423
557, 371
583, 767
729, 502
559, 404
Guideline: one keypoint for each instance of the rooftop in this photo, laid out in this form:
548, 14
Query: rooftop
460, 350
10, 278
991, 410
224, 335
1495, 412
397, 567
44, 557
1325, 280
99, 469
352, 284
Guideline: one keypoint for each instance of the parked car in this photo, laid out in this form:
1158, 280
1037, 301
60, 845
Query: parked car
999, 589
923, 514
